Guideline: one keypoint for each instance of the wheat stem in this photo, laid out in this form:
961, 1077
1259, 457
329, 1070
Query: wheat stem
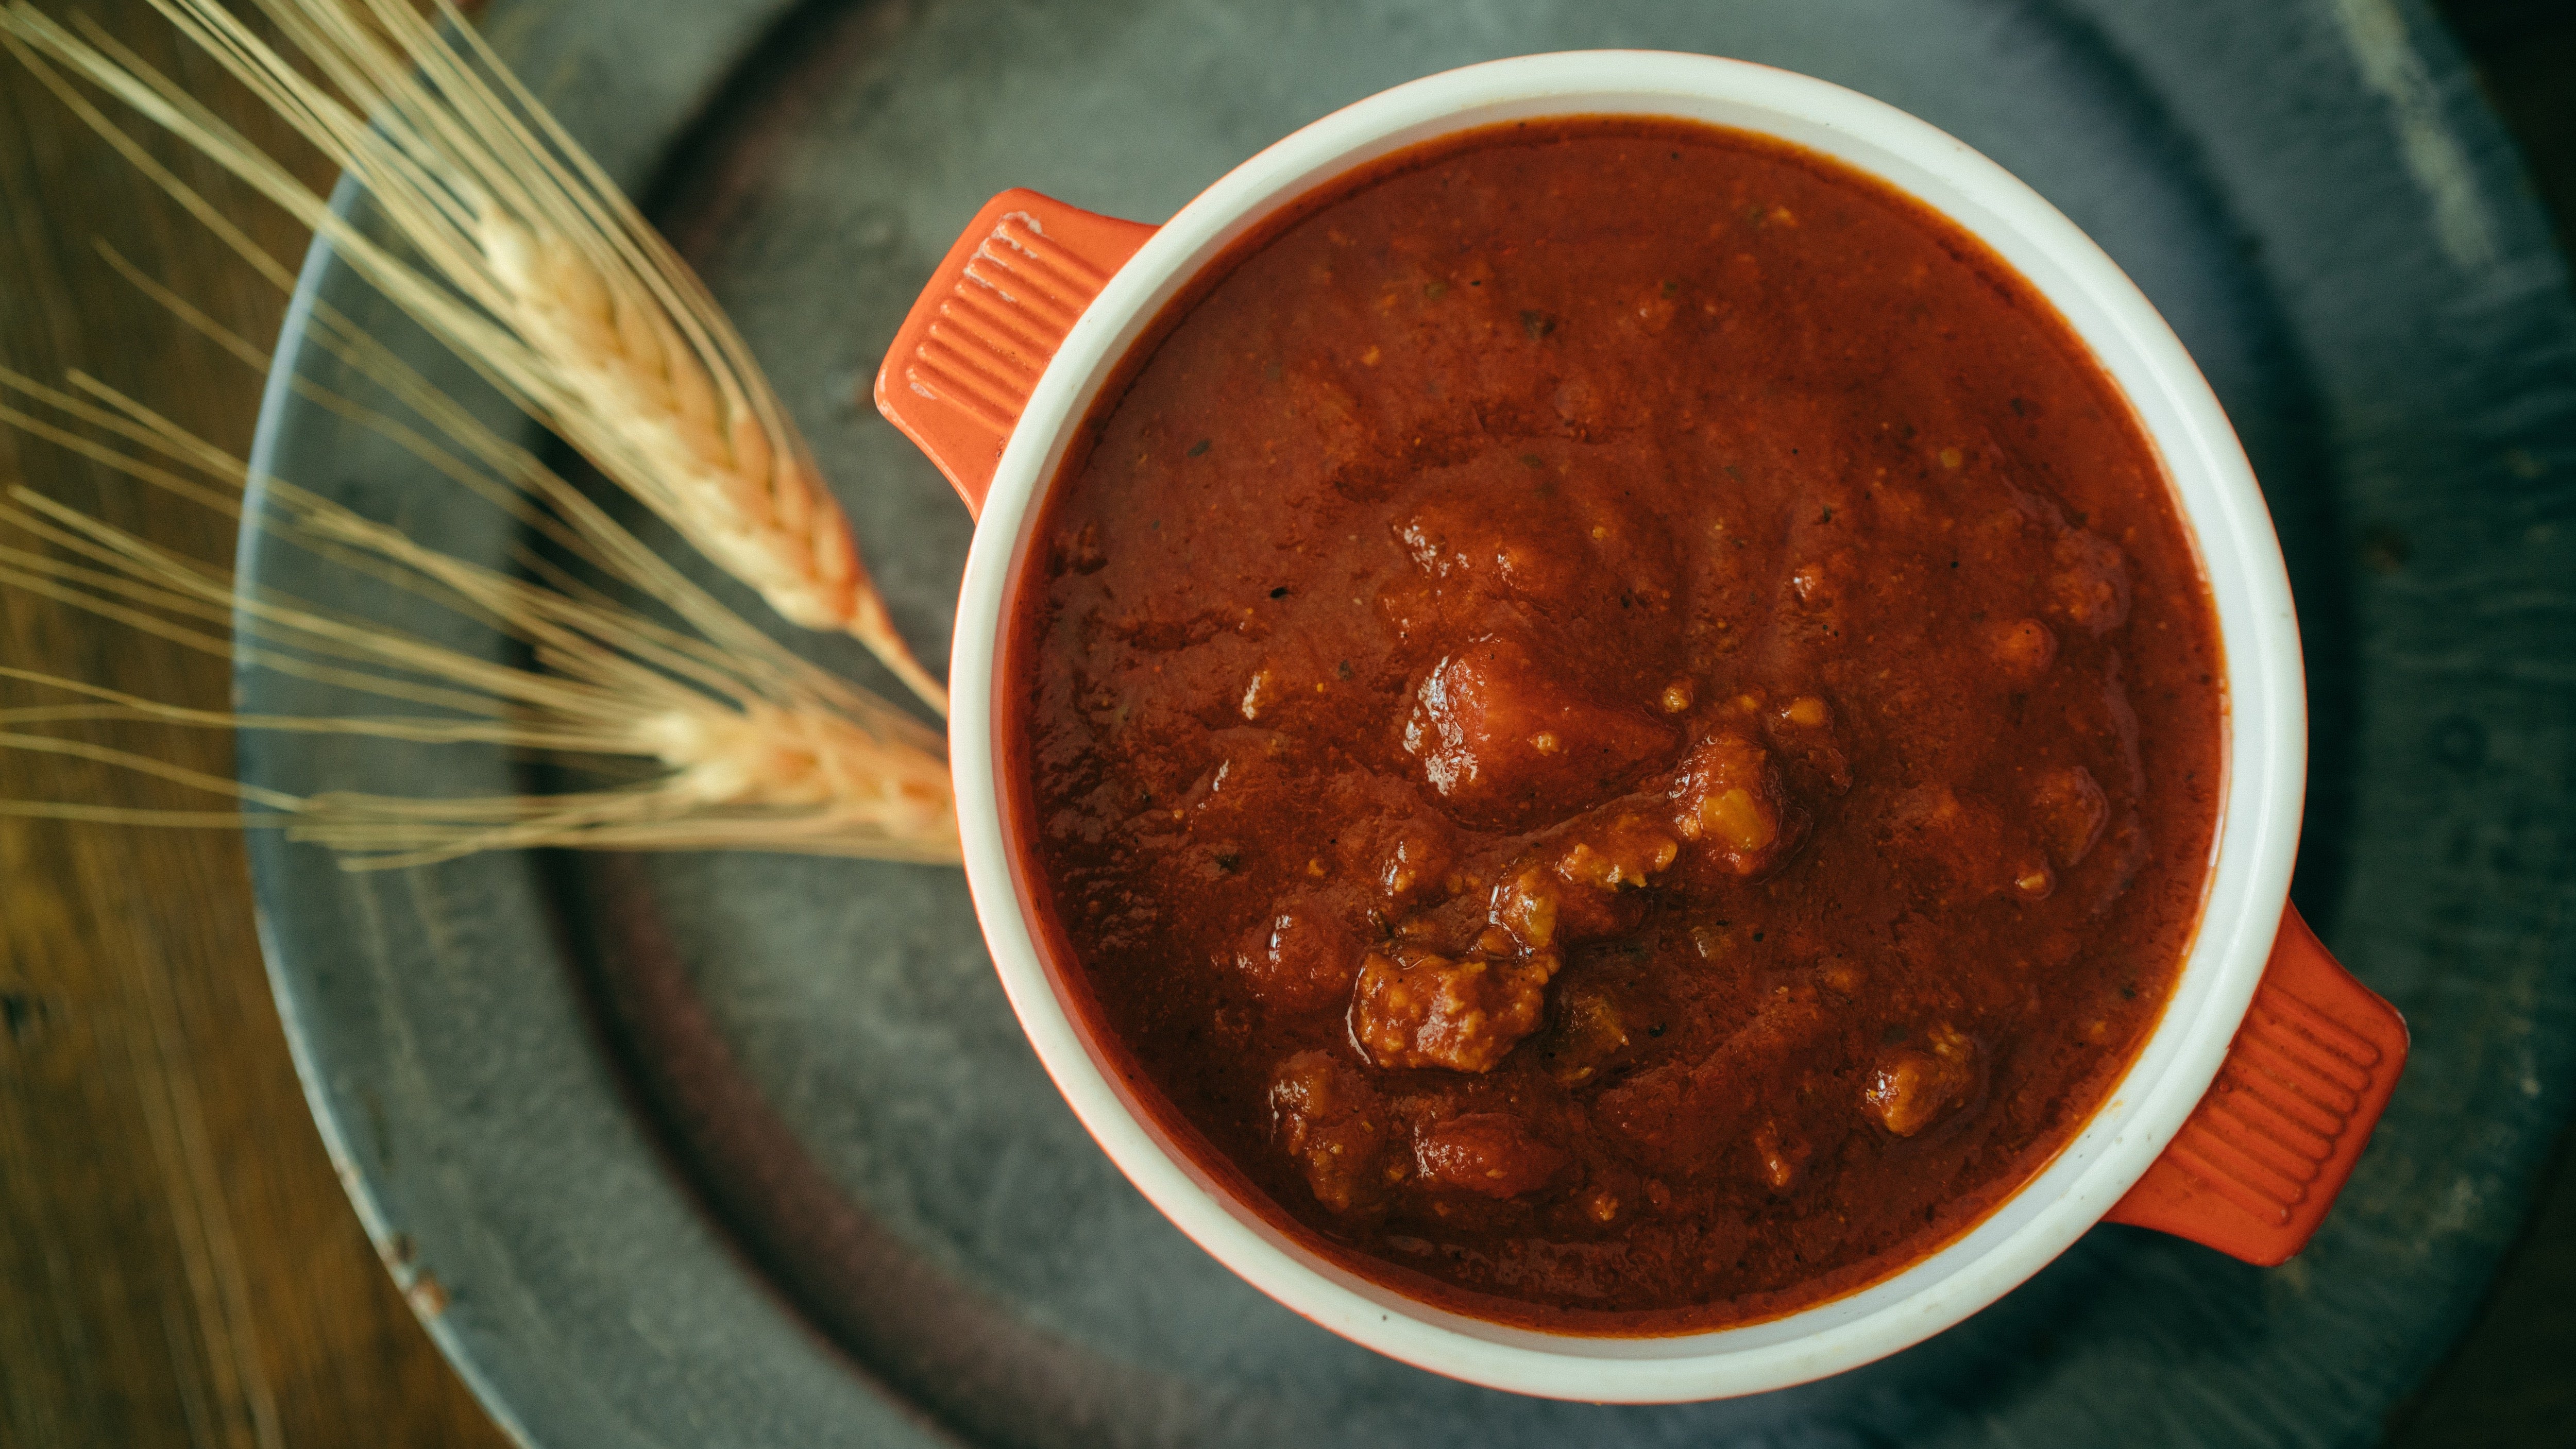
530, 265
740, 744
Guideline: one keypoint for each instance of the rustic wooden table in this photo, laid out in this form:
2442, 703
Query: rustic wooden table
177, 1265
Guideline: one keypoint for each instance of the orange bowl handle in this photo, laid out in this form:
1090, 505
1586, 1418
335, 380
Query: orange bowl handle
994, 313
2260, 1160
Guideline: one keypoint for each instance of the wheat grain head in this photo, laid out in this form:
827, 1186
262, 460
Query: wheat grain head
525, 259
732, 742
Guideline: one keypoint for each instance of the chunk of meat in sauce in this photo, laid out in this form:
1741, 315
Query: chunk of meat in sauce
1624, 851
1462, 539
1335, 1126
1388, 835
1571, 886
1504, 739
1418, 1009
1590, 1035
2072, 812
1781, 1155
1413, 861
1733, 806
1301, 955
2024, 647
2090, 588
1491, 1153
1530, 536
1911, 1088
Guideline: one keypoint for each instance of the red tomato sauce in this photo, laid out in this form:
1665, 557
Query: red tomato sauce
1619, 725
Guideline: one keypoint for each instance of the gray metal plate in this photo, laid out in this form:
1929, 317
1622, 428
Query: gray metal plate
737, 1150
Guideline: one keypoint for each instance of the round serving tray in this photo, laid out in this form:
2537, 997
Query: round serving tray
711, 1150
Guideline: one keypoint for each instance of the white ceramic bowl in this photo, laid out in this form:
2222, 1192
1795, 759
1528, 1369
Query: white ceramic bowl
2265, 752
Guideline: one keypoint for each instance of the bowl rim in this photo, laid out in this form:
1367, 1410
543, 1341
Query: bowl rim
2264, 731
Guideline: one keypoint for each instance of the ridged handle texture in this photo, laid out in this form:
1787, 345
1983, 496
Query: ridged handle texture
974, 345
2260, 1160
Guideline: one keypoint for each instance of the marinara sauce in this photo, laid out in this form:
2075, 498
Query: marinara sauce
1619, 725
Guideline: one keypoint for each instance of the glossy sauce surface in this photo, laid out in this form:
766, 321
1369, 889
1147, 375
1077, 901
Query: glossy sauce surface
1619, 724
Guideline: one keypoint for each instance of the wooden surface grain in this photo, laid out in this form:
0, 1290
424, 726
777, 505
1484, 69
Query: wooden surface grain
178, 1265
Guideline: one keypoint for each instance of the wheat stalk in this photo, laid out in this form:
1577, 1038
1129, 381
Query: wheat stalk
738, 743
526, 260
